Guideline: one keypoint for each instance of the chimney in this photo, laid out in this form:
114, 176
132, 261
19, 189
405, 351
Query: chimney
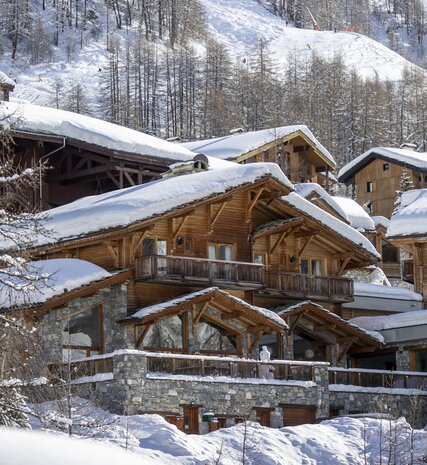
199, 163
408, 146
235, 131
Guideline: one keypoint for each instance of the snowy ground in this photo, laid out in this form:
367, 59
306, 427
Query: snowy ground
350, 441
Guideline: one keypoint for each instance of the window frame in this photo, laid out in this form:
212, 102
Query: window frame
217, 246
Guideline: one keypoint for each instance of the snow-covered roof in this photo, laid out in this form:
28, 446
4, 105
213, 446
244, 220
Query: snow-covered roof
4, 79
380, 221
283, 311
411, 218
355, 214
58, 277
307, 189
43, 120
334, 224
158, 308
398, 320
90, 215
232, 146
385, 292
407, 157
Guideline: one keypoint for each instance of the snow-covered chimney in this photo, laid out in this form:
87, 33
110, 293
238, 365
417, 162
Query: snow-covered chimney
408, 146
199, 163
6, 86
235, 131
175, 140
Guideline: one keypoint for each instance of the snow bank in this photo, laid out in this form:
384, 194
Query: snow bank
385, 292
331, 222
60, 276
43, 120
403, 156
411, 218
355, 214
231, 146
123, 207
398, 320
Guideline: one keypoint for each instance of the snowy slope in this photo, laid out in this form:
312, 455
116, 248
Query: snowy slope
240, 24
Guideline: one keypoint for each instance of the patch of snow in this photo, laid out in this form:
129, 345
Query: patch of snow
61, 275
339, 227
98, 378
385, 292
380, 221
124, 207
231, 146
355, 214
398, 320
377, 390
228, 379
411, 218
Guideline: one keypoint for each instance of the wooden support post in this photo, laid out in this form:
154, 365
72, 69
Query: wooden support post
295, 322
345, 349
307, 243
343, 265
198, 316
255, 342
141, 338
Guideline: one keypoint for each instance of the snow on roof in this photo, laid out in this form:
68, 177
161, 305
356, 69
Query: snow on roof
355, 214
61, 275
4, 79
328, 175
284, 311
411, 218
336, 225
380, 221
398, 320
406, 157
231, 146
43, 120
306, 189
157, 308
123, 207
385, 292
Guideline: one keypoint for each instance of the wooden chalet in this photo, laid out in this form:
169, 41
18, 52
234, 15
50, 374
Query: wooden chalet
294, 148
83, 156
7, 86
376, 176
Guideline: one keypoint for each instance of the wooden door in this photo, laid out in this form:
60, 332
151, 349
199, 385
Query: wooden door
264, 417
294, 415
191, 419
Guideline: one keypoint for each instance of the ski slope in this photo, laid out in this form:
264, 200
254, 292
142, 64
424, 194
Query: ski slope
241, 24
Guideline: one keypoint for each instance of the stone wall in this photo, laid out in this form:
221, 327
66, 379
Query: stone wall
114, 306
377, 400
133, 390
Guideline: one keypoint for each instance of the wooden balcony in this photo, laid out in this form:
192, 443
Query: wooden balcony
408, 271
328, 288
196, 271
378, 378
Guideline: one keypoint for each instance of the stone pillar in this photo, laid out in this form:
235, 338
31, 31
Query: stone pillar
321, 378
403, 360
288, 347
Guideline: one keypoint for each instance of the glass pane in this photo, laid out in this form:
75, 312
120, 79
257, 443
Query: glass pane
147, 247
304, 266
212, 252
259, 259
421, 360
82, 330
161, 247
316, 267
225, 252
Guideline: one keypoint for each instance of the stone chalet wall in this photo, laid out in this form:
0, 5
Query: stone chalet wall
412, 405
114, 304
133, 391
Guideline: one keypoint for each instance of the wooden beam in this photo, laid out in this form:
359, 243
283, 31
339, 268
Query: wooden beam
257, 329
295, 322
128, 177
180, 226
198, 316
344, 351
307, 243
255, 199
324, 327
255, 342
138, 238
231, 316
302, 234
141, 337
213, 219
343, 265
114, 254
279, 240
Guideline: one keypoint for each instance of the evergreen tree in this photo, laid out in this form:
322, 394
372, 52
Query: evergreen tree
405, 184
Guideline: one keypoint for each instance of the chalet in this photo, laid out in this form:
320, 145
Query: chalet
375, 175
85, 156
6, 87
294, 148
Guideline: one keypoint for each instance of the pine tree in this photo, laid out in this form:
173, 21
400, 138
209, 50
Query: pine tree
405, 184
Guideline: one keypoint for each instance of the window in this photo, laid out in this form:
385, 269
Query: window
389, 252
154, 247
82, 335
369, 186
312, 266
259, 259
221, 252
386, 167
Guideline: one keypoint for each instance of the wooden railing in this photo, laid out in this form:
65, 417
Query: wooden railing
229, 367
378, 378
304, 285
408, 270
188, 269
81, 368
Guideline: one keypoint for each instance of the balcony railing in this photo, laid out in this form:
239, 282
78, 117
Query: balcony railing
199, 270
378, 378
310, 286
194, 365
81, 368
